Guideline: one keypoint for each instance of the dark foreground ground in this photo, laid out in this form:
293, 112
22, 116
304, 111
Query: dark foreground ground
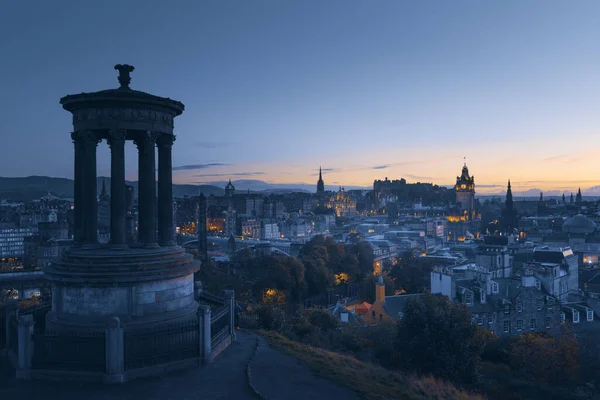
274, 375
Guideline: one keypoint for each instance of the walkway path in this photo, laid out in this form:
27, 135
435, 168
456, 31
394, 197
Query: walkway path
274, 375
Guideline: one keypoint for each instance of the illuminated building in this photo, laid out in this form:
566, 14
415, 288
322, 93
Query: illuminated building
342, 204
465, 193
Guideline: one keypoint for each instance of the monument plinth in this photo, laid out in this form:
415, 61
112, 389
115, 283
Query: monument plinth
142, 282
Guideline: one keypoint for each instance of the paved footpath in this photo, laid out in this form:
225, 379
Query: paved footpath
277, 376
273, 376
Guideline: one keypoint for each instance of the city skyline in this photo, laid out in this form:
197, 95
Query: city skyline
366, 91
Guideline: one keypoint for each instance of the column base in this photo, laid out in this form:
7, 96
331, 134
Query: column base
151, 245
169, 243
114, 246
89, 246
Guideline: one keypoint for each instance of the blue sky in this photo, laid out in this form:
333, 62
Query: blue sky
273, 89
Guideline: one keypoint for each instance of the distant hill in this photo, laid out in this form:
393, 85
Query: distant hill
33, 187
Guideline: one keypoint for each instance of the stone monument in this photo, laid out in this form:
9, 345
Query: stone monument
146, 282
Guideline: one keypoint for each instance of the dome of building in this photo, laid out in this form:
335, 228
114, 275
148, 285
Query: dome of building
579, 224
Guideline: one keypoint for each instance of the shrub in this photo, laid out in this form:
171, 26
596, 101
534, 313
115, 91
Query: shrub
270, 318
323, 320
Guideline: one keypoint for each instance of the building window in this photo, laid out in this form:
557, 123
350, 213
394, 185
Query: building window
479, 320
506, 326
533, 324
539, 302
469, 298
563, 317
482, 297
519, 305
575, 316
548, 322
495, 288
491, 319
519, 325
506, 308
590, 314
538, 284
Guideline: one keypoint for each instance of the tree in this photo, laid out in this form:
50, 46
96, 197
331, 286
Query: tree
436, 337
281, 274
410, 276
364, 254
318, 276
545, 359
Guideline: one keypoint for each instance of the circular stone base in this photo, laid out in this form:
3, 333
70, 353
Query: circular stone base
141, 286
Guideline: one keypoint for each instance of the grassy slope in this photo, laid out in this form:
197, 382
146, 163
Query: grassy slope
368, 380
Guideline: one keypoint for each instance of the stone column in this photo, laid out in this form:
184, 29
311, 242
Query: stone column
165, 190
25, 347
90, 190
204, 334
115, 351
146, 189
78, 186
229, 296
118, 236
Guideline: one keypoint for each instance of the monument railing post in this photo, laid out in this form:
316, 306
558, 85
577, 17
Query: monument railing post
165, 190
204, 336
118, 236
230, 298
25, 343
9, 314
115, 351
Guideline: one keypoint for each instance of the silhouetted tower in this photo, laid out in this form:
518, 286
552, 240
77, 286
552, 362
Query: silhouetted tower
509, 210
229, 189
579, 198
465, 192
201, 229
320, 183
572, 200
564, 199
541, 203
231, 245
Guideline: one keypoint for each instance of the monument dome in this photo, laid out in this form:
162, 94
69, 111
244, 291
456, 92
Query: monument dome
579, 224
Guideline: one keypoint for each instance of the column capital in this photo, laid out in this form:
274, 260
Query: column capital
165, 141
115, 135
146, 138
85, 137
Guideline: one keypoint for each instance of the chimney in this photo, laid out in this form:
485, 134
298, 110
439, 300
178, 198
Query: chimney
379, 290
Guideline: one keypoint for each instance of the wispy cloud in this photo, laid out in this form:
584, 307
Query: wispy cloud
230, 174
380, 167
198, 166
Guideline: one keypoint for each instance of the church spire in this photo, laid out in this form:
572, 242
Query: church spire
320, 183
579, 198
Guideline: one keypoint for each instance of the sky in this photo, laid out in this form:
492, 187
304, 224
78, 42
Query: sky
274, 89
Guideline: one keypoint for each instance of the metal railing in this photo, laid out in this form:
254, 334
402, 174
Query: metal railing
75, 352
161, 345
219, 325
13, 335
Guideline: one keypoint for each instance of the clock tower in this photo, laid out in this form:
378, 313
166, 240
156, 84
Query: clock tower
465, 193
